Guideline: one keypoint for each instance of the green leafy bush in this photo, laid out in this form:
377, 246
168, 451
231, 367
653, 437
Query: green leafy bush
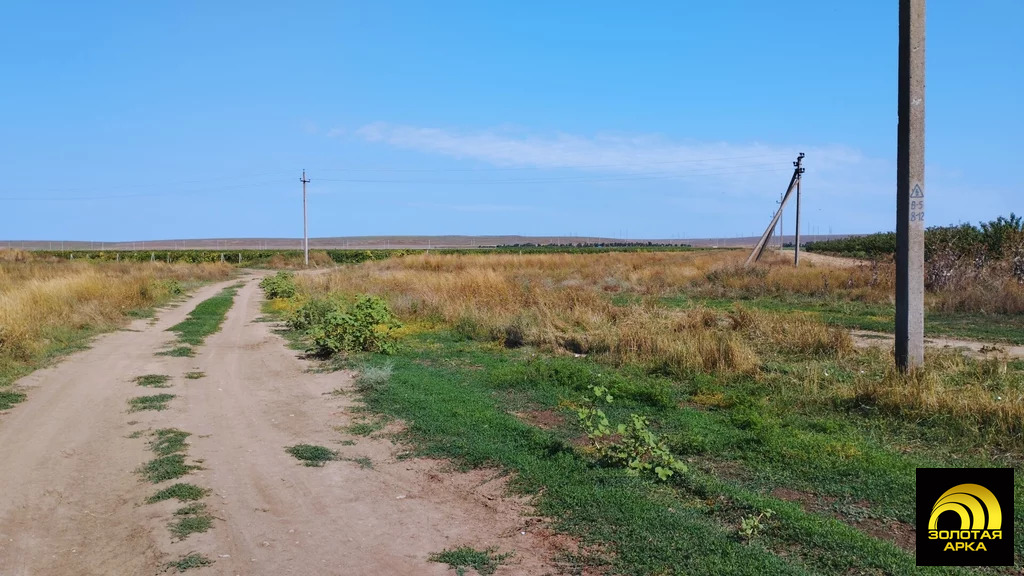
173, 287
312, 313
366, 326
280, 285
632, 445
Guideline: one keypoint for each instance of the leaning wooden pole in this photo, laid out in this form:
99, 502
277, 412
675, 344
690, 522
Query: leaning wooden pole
763, 243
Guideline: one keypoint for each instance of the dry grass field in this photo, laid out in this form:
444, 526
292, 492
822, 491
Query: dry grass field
625, 308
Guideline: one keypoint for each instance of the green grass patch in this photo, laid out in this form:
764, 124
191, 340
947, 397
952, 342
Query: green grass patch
188, 562
365, 428
181, 492
8, 398
153, 380
485, 562
364, 462
155, 402
1007, 328
194, 509
178, 352
312, 455
206, 318
167, 441
742, 442
166, 468
191, 519
194, 375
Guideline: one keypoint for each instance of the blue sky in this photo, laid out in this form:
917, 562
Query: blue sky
150, 120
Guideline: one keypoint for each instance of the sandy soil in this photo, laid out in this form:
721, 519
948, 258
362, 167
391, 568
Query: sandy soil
70, 503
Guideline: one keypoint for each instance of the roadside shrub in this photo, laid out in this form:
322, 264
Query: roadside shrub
367, 326
280, 285
312, 313
173, 287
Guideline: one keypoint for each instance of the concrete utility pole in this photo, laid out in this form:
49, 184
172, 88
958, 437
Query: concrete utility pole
910, 189
798, 170
305, 226
796, 236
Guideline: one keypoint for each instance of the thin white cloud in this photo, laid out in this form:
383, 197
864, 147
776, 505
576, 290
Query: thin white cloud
732, 169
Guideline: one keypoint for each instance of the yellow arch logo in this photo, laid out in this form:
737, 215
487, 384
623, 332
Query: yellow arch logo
972, 502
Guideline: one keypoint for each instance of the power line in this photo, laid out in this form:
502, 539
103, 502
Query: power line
694, 171
153, 195
153, 184
568, 179
774, 157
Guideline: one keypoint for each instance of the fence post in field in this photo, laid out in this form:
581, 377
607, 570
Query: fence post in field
152, 256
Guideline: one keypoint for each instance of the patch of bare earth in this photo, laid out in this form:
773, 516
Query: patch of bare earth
857, 515
543, 419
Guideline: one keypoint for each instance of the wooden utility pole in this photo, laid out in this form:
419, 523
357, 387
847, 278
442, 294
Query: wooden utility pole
763, 242
305, 222
910, 188
782, 226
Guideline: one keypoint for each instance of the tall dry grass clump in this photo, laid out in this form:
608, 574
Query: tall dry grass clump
980, 396
776, 276
42, 302
567, 302
793, 332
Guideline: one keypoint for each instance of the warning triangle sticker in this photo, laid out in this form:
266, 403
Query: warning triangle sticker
917, 192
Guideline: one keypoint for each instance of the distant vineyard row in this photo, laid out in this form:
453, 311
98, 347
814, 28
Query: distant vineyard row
269, 257
994, 240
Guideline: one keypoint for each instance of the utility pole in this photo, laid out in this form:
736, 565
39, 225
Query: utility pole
798, 170
796, 237
782, 225
305, 225
910, 188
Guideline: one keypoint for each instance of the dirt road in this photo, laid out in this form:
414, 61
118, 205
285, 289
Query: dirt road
72, 504
864, 339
